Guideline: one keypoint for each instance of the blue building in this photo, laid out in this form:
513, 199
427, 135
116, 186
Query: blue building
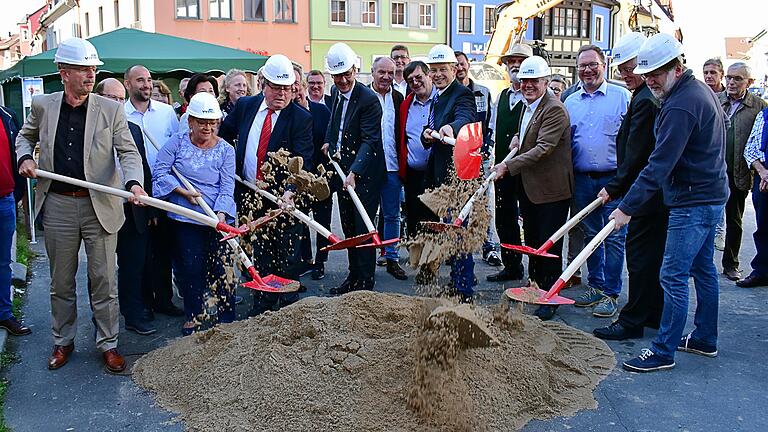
564, 29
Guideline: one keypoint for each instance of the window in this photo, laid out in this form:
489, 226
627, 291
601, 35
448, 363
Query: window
253, 10
426, 15
369, 12
284, 10
547, 23
339, 11
598, 28
219, 9
117, 13
187, 9
489, 19
101, 19
585, 23
464, 18
398, 14
87, 24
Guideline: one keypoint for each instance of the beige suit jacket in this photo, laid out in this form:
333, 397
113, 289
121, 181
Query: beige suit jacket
106, 135
544, 159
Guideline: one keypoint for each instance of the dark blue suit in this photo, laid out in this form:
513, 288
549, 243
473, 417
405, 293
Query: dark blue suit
455, 107
133, 244
361, 153
275, 250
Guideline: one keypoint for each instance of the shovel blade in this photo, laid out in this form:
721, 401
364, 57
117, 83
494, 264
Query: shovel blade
440, 226
380, 244
466, 153
348, 243
527, 250
258, 223
274, 284
531, 295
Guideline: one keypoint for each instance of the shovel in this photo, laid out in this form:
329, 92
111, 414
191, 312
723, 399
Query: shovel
270, 283
335, 242
154, 202
533, 295
466, 150
377, 242
467, 209
572, 222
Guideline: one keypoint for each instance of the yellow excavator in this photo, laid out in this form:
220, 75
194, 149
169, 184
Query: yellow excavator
511, 22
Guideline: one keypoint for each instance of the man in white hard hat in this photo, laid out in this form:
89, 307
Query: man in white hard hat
268, 122
596, 110
354, 140
509, 109
543, 164
88, 131
741, 107
453, 106
647, 232
383, 69
687, 164
158, 122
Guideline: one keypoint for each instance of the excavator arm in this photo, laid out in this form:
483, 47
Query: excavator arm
511, 23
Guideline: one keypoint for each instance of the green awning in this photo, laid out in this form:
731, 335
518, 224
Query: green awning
122, 48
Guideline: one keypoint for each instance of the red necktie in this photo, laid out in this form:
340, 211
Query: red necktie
261, 153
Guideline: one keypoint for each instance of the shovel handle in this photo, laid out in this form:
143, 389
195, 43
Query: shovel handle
467, 209
572, 222
355, 198
447, 140
298, 214
585, 253
154, 202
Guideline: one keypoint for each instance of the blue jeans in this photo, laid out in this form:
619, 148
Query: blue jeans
7, 228
390, 209
689, 253
606, 264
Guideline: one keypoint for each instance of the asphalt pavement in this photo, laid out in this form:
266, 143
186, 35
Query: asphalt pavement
722, 394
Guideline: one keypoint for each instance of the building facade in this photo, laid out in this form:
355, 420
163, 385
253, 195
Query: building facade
371, 27
471, 23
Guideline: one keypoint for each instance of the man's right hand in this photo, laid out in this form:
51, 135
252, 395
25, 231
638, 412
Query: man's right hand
514, 142
27, 168
324, 148
603, 194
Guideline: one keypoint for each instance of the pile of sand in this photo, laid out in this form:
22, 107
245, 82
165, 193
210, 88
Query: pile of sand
373, 362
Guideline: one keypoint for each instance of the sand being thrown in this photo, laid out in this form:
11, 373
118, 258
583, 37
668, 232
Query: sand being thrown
373, 362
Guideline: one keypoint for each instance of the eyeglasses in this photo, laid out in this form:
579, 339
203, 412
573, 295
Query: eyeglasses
81, 68
625, 70
400, 57
346, 75
413, 78
280, 88
209, 123
592, 65
735, 78
556, 90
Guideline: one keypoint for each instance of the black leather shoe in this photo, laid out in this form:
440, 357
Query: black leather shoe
147, 315
318, 271
616, 331
753, 280
504, 275
140, 328
545, 313
393, 268
347, 286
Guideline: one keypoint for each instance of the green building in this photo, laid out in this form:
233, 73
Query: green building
371, 27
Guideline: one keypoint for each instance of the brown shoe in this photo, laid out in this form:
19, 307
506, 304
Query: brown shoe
393, 268
113, 361
732, 274
60, 356
14, 327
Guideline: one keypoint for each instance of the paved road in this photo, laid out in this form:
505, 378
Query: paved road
726, 393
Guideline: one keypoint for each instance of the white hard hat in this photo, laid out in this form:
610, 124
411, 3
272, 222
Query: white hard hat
340, 58
534, 67
657, 51
441, 54
519, 50
204, 105
627, 48
77, 51
279, 70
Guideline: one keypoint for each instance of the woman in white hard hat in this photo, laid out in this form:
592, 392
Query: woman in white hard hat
208, 162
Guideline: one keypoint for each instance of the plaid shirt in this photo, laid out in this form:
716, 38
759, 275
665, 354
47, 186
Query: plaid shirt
752, 150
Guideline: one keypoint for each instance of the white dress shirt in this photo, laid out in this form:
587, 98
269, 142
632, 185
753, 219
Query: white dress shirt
528, 115
345, 102
251, 161
401, 87
158, 124
388, 129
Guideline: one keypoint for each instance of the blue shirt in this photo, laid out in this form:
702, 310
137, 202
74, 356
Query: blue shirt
211, 172
418, 116
595, 121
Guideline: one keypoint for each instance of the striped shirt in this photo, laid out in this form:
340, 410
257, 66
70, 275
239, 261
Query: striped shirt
752, 150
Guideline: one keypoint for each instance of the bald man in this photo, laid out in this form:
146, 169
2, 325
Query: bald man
132, 239
158, 122
383, 71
